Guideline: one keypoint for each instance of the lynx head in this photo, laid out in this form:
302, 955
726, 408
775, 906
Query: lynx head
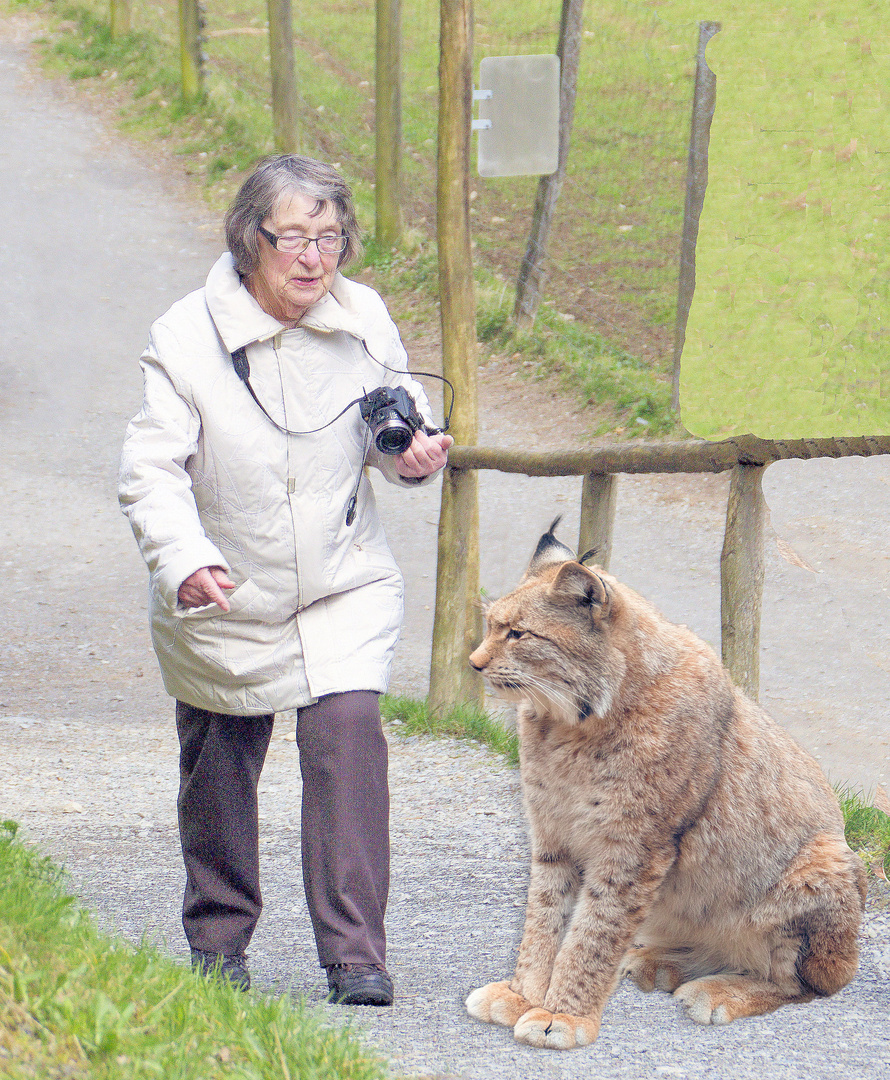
553, 641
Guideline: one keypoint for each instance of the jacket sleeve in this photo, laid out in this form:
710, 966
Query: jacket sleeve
397, 362
155, 489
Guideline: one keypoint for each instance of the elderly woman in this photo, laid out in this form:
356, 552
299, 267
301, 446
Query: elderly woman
271, 583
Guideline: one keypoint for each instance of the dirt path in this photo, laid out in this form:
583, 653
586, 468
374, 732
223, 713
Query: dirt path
97, 241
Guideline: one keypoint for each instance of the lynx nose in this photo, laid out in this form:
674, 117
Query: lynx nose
479, 659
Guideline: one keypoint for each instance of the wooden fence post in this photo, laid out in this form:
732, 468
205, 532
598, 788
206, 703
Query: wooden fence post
703, 100
456, 631
191, 54
741, 577
120, 17
284, 89
458, 618
597, 516
531, 272
388, 116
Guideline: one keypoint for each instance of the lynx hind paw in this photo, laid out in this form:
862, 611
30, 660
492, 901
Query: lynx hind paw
719, 999
497, 1004
555, 1031
701, 1006
651, 970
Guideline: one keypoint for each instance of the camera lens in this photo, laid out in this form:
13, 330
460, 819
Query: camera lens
393, 437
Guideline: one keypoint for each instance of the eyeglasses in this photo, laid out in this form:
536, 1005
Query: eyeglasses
328, 244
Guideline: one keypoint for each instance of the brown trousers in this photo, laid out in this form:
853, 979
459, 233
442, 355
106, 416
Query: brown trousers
345, 825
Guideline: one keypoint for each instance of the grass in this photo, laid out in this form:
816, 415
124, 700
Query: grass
587, 364
867, 830
76, 1003
788, 337
410, 716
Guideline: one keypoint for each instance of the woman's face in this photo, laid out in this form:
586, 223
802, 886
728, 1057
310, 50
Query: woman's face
285, 284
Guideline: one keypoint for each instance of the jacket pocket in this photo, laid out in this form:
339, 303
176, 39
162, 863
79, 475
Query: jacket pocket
245, 602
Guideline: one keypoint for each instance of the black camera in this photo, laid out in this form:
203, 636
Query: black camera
392, 416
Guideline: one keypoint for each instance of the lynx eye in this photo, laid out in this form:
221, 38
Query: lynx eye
513, 635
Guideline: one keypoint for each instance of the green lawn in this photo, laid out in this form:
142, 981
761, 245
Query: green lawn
787, 335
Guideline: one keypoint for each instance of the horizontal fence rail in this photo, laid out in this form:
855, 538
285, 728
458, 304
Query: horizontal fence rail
742, 556
689, 456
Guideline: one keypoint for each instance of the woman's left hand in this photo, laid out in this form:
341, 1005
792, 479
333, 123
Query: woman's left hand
426, 455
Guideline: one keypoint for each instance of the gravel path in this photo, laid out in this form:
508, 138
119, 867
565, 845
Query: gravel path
97, 241
459, 873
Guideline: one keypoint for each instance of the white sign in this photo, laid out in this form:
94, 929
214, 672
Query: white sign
518, 121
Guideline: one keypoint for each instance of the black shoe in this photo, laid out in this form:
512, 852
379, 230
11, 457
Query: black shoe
233, 968
359, 984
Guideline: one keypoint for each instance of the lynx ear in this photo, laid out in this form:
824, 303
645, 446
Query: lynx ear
576, 583
549, 551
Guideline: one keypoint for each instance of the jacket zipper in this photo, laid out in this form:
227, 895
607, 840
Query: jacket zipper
291, 480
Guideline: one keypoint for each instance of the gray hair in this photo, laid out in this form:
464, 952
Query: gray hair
272, 179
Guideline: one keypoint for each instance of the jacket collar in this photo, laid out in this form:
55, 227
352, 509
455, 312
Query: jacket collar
240, 320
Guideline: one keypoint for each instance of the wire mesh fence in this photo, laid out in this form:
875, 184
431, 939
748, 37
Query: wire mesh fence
613, 254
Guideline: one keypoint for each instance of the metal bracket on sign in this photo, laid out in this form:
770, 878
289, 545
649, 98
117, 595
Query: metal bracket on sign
481, 125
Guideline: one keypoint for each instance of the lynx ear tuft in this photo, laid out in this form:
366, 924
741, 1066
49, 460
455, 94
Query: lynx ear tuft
587, 555
549, 551
575, 582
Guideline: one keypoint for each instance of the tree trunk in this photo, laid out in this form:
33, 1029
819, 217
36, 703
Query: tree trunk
741, 577
120, 18
190, 52
703, 101
598, 494
458, 620
388, 115
284, 88
531, 273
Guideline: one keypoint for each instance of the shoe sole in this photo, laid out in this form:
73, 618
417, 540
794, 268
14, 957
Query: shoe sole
359, 999
368, 996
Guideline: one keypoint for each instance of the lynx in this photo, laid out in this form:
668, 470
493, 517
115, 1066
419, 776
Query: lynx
678, 835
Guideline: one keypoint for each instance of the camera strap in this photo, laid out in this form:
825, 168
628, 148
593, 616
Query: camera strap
427, 375
242, 369
352, 504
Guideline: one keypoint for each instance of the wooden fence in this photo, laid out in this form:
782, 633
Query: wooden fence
741, 560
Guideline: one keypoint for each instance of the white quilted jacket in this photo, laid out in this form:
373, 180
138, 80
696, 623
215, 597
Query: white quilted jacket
207, 480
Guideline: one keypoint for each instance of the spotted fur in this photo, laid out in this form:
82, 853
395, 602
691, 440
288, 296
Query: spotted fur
679, 836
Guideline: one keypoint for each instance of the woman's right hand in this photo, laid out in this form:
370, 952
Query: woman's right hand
205, 586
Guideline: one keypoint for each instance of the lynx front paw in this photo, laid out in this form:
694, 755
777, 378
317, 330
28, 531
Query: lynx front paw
497, 1004
555, 1031
650, 969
